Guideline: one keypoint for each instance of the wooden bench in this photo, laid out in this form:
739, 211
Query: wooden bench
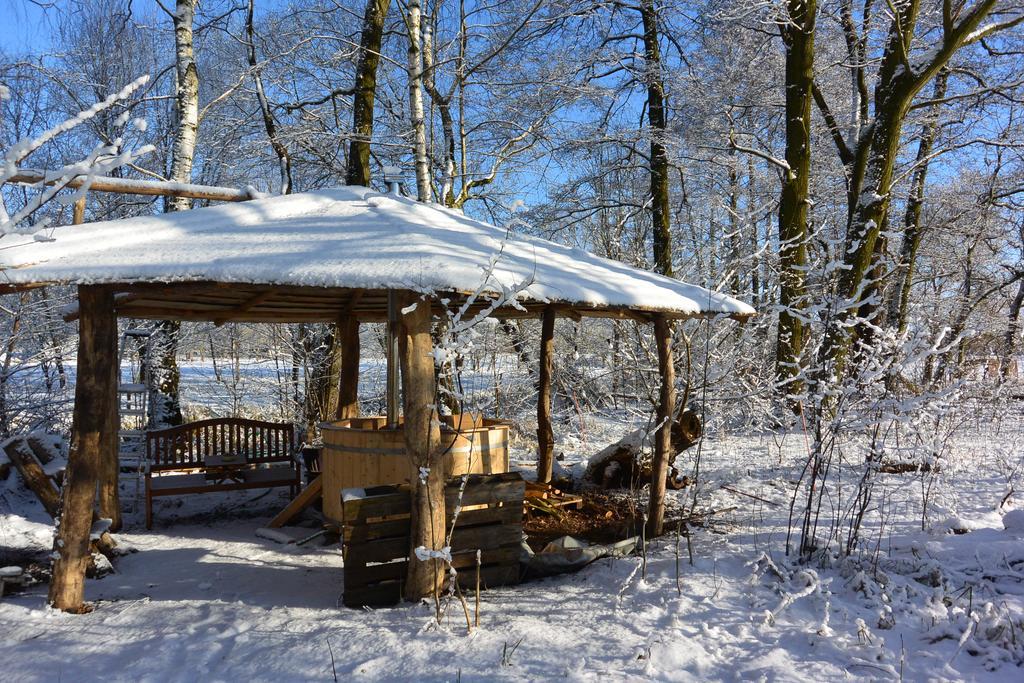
223, 454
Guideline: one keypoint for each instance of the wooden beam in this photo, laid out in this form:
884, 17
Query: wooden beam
422, 441
247, 305
31, 176
545, 433
95, 390
663, 437
306, 497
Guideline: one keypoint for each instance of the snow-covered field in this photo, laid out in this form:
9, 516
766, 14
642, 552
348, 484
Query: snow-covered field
204, 598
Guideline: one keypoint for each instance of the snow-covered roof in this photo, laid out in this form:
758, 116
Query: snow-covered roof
350, 238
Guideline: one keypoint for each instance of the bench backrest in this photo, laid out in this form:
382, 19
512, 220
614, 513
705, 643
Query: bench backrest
189, 445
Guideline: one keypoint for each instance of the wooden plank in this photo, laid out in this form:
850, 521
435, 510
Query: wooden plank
377, 595
501, 492
498, 564
506, 514
360, 509
491, 536
361, 533
490, 577
383, 550
306, 497
497, 556
357, 576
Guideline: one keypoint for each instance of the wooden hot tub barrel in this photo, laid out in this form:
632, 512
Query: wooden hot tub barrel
360, 452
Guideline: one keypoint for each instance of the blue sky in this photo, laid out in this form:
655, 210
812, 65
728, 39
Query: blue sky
24, 26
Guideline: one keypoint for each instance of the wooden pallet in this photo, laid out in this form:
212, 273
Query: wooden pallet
375, 534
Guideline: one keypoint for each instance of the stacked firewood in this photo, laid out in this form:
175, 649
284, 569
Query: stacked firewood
546, 499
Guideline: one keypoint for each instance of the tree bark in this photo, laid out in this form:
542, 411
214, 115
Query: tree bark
165, 403
661, 211
95, 399
1012, 332
663, 437
365, 92
899, 301
19, 453
186, 103
874, 160
422, 440
348, 376
798, 38
284, 161
414, 21
545, 433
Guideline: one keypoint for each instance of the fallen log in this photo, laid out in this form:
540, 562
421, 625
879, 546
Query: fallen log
623, 464
27, 454
32, 473
905, 467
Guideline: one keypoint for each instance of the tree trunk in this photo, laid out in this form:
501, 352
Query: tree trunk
95, 400
19, 453
798, 38
348, 376
663, 437
422, 440
545, 433
5, 368
414, 22
875, 159
186, 104
1012, 332
661, 211
365, 92
899, 301
166, 403
283, 158
444, 110
110, 447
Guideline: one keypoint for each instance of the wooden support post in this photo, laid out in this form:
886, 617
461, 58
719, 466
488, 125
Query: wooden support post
663, 437
391, 355
422, 441
348, 377
95, 393
545, 433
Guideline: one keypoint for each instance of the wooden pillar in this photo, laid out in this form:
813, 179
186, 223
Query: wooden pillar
95, 400
663, 437
545, 434
348, 376
391, 353
110, 448
422, 440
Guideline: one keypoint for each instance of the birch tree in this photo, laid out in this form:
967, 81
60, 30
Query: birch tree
165, 401
417, 119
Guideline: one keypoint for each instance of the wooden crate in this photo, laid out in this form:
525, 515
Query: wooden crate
376, 537
361, 452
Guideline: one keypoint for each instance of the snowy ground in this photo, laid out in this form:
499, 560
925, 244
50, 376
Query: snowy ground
208, 600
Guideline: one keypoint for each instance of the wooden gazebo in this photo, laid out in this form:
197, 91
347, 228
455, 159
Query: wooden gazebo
341, 256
